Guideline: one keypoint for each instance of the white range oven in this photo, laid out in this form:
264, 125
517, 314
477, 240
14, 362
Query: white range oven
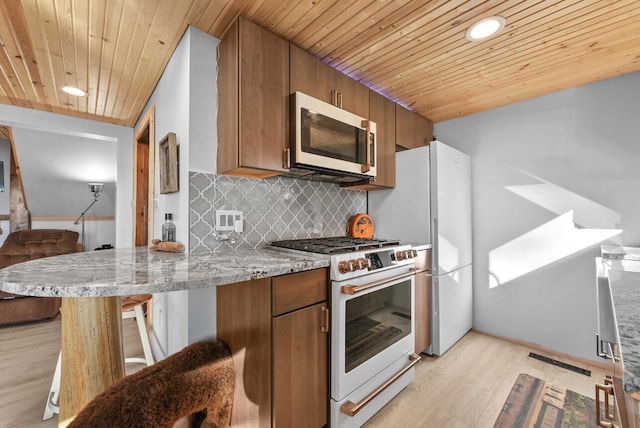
372, 323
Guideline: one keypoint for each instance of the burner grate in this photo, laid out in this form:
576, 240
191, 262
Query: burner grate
333, 245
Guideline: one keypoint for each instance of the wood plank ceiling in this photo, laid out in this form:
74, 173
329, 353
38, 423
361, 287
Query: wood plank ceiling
411, 51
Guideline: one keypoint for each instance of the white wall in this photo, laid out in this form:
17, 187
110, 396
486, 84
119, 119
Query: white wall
56, 168
553, 178
19, 117
203, 140
185, 103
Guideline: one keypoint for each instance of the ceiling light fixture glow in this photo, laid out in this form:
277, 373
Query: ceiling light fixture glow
485, 28
74, 91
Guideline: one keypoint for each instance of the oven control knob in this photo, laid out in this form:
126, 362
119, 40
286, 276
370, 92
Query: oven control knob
401, 255
343, 267
353, 263
414, 253
363, 262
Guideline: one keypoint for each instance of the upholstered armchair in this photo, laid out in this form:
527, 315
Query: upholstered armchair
26, 245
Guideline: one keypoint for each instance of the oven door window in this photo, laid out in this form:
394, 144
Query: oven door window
376, 321
324, 136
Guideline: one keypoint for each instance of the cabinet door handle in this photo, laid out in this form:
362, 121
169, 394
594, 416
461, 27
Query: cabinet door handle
286, 158
608, 392
339, 99
325, 327
334, 98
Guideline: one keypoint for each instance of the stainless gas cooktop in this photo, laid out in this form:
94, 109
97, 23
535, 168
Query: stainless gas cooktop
334, 245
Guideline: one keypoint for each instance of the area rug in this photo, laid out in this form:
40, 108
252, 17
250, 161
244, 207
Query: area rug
533, 403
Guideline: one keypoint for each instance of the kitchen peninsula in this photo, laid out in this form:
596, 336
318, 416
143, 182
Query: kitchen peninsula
92, 282
622, 267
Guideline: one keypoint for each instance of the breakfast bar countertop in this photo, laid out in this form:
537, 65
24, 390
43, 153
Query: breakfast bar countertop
126, 271
91, 284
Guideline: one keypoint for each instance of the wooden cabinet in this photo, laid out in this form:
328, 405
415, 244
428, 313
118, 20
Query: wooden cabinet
300, 346
423, 311
310, 75
412, 130
243, 321
253, 101
423, 301
300, 368
383, 112
276, 329
257, 72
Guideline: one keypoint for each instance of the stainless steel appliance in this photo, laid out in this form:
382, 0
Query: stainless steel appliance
372, 323
431, 203
327, 140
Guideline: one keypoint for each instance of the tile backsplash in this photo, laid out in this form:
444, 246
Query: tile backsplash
274, 209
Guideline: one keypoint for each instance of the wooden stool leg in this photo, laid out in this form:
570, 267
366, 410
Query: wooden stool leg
92, 351
144, 334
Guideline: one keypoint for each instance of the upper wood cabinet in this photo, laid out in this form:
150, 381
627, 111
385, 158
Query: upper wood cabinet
253, 101
383, 112
412, 130
315, 78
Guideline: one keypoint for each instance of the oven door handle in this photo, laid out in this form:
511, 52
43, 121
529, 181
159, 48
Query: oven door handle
350, 408
355, 289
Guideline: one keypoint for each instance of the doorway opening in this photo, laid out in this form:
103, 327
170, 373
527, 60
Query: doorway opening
143, 179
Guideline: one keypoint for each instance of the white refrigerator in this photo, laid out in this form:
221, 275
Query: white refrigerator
431, 203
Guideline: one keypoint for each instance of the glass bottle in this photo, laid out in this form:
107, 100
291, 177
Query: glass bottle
168, 229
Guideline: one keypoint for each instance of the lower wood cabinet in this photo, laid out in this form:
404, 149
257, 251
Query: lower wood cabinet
243, 321
300, 368
423, 311
423, 300
277, 330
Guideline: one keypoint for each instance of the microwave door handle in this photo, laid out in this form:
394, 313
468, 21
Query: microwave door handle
366, 124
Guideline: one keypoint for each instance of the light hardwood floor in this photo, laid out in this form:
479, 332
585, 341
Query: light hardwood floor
28, 356
465, 388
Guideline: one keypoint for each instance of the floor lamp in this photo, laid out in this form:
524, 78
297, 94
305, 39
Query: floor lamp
95, 188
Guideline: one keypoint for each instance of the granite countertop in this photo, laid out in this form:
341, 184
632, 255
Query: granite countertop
624, 279
125, 271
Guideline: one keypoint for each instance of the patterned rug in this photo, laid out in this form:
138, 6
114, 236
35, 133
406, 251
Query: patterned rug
533, 403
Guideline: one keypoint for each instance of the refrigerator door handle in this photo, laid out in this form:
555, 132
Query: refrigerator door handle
434, 245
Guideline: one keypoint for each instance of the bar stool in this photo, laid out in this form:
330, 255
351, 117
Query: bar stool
132, 306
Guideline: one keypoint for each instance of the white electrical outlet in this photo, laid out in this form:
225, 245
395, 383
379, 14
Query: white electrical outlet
229, 221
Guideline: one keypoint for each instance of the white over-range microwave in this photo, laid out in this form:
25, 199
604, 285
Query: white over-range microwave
329, 141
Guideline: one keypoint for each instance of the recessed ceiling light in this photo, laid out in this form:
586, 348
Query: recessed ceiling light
74, 91
485, 28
